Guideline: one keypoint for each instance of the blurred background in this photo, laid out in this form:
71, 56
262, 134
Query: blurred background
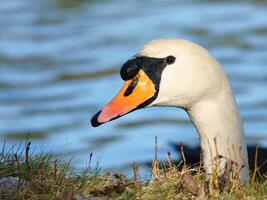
60, 62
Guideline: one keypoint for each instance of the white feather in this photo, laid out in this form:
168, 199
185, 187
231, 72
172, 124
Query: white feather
197, 83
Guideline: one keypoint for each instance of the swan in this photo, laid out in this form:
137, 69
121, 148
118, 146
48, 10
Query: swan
182, 74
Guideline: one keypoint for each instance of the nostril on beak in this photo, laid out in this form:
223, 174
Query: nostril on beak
131, 87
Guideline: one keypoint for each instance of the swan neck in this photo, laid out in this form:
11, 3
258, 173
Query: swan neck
220, 129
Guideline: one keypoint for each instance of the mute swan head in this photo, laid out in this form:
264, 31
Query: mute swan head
179, 73
165, 72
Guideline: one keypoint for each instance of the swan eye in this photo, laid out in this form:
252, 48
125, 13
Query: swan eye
170, 60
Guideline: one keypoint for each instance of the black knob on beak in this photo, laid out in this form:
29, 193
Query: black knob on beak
129, 70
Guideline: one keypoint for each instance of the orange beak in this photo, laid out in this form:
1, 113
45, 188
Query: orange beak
133, 94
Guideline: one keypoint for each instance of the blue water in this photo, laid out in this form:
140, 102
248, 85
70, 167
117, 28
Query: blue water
60, 61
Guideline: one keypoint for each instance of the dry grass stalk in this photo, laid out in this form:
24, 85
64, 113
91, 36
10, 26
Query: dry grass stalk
137, 180
27, 157
255, 166
155, 162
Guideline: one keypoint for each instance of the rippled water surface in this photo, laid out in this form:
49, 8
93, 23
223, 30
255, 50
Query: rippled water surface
59, 63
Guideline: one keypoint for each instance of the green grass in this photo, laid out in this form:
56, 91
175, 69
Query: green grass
40, 176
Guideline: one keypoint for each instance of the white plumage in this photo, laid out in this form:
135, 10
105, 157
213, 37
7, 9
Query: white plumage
197, 83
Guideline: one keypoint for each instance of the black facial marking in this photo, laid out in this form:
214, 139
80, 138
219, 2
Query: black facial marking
131, 87
129, 70
153, 68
